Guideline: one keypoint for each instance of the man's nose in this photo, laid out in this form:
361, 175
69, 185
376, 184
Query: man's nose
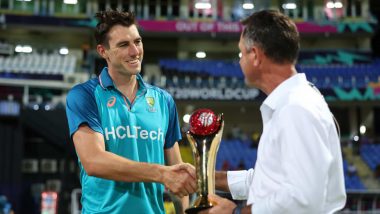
133, 50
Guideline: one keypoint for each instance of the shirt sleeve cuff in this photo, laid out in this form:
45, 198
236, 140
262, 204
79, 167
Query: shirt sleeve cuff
237, 183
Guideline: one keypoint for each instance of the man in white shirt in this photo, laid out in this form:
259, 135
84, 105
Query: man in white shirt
299, 165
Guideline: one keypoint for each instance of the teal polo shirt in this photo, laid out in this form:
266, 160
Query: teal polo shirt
139, 131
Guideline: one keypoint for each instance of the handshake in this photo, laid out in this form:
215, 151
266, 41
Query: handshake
180, 179
205, 134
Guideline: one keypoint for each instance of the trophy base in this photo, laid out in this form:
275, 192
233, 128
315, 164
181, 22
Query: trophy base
195, 210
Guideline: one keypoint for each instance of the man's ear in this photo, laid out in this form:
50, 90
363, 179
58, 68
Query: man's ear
255, 56
101, 51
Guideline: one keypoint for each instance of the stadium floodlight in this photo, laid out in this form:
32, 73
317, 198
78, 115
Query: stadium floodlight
63, 51
200, 54
248, 6
186, 118
18, 48
289, 6
362, 129
27, 49
338, 4
202, 5
70, 1
356, 138
331, 4
23, 49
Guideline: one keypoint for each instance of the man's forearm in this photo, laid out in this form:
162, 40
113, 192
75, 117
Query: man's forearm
114, 167
185, 203
98, 162
221, 182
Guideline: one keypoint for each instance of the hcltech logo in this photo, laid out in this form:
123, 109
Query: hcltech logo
132, 132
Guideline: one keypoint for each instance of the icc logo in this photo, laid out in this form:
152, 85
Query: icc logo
206, 119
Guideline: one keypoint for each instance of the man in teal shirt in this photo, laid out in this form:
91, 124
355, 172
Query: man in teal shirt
125, 130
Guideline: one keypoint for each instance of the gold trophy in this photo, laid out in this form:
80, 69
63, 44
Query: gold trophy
205, 134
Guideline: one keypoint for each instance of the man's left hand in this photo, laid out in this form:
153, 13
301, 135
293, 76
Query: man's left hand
221, 205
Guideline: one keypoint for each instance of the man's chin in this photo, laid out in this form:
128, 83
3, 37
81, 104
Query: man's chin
249, 84
134, 71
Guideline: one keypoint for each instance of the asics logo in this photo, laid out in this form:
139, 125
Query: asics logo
111, 102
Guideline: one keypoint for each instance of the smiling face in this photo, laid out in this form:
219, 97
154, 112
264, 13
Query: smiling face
125, 52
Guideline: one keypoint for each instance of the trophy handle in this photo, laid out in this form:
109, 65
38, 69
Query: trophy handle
192, 141
211, 161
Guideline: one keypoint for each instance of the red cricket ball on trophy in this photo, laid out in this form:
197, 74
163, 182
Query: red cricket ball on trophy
204, 122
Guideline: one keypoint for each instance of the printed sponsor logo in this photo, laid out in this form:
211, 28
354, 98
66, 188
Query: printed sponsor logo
132, 132
111, 102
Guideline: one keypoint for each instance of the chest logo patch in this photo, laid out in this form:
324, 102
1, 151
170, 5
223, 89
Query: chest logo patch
111, 102
150, 101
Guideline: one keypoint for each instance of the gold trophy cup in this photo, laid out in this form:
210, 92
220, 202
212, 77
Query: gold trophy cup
205, 134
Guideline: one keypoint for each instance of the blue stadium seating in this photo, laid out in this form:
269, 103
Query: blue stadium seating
235, 152
370, 155
352, 182
323, 76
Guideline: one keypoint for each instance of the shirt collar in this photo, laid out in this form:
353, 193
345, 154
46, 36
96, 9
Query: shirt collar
106, 80
284, 88
142, 85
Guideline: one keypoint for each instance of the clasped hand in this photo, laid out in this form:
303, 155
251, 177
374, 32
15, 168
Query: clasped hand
180, 179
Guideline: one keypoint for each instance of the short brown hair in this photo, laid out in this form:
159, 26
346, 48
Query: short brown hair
108, 19
275, 33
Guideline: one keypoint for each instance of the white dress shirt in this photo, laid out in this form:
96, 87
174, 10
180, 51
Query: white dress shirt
299, 165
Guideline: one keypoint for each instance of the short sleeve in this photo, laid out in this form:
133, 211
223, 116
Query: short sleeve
81, 108
174, 133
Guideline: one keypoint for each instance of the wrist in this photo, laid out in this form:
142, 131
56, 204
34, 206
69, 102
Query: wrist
221, 181
161, 170
237, 210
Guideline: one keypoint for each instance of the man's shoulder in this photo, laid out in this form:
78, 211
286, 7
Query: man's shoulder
301, 92
306, 98
157, 90
90, 84
84, 89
